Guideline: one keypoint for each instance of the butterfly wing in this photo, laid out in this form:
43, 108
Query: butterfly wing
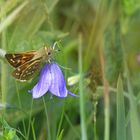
19, 59
27, 70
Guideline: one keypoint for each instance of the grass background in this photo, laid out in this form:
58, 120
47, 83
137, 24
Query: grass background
100, 43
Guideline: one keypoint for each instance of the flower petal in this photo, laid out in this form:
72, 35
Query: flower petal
58, 84
72, 94
44, 82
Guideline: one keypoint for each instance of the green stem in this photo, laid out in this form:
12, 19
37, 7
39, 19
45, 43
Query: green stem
33, 130
48, 124
107, 120
94, 119
20, 105
82, 101
3, 69
134, 119
60, 122
106, 96
30, 120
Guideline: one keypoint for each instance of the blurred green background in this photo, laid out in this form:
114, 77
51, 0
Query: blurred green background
100, 44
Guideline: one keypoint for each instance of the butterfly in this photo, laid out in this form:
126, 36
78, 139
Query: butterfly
26, 64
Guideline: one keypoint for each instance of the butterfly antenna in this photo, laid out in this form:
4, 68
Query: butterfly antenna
56, 44
66, 68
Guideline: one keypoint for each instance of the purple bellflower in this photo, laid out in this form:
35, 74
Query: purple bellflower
51, 79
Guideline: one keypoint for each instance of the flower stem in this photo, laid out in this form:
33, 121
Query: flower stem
48, 124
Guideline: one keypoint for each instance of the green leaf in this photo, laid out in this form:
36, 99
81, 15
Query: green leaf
121, 129
61, 134
8, 133
134, 120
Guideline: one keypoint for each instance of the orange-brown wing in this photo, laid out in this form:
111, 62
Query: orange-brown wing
27, 70
19, 59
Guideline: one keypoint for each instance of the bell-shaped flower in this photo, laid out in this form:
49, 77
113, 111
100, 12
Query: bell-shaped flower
51, 79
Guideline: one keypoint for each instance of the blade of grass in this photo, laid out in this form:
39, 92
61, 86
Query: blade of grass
96, 32
33, 130
50, 9
60, 135
30, 120
8, 5
94, 119
106, 97
20, 105
71, 125
104, 15
134, 120
121, 129
60, 123
7, 21
3, 66
82, 101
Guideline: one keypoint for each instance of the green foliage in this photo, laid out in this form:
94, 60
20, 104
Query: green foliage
8, 133
60, 136
113, 53
96, 38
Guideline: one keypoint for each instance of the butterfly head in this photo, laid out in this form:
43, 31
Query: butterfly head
48, 51
51, 50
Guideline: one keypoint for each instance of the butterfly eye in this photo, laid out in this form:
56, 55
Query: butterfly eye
49, 53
